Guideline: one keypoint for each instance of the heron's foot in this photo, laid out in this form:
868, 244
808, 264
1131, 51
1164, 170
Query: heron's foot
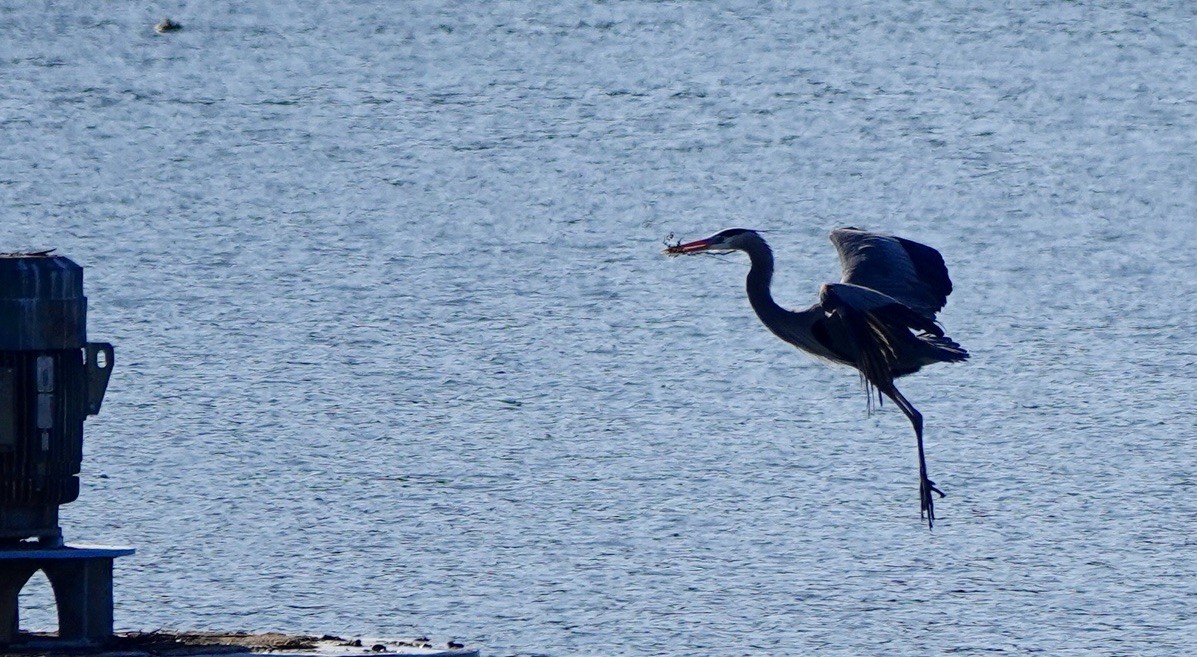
926, 487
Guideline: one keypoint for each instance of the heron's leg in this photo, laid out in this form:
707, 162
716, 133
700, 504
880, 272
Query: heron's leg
926, 486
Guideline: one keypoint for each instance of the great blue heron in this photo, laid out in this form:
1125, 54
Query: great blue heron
891, 288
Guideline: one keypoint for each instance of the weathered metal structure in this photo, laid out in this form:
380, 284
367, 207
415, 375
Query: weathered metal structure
51, 379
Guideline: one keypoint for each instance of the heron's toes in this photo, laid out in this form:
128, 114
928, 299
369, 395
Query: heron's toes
927, 502
933, 488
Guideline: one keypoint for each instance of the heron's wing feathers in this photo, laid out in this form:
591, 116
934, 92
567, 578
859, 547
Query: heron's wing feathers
912, 273
866, 326
864, 345
870, 301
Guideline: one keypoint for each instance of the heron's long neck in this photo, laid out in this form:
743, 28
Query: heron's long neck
795, 327
759, 279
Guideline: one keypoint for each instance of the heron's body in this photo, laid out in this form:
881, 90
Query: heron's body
880, 319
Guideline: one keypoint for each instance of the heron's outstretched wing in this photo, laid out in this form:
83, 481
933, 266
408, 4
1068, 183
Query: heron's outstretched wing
911, 273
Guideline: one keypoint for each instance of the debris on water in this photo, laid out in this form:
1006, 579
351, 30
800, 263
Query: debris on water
167, 25
209, 644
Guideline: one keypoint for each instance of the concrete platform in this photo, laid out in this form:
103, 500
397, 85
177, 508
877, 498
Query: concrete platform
81, 577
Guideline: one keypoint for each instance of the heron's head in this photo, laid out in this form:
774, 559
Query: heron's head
731, 239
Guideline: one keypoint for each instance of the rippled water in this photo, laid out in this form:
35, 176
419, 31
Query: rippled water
397, 352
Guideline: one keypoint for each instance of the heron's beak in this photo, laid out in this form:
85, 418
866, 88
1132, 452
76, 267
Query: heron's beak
697, 246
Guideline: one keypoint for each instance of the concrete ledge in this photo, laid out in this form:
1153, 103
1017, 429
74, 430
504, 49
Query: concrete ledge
35, 551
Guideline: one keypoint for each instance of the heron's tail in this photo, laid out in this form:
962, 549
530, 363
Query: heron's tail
945, 349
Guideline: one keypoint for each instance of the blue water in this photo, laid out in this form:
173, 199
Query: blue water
397, 352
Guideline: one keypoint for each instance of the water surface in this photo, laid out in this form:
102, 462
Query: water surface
397, 353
